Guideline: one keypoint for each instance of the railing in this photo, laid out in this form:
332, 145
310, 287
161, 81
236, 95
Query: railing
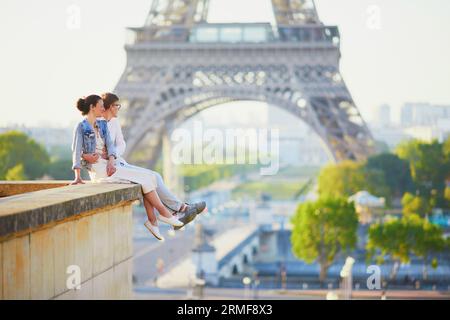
236, 250
235, 33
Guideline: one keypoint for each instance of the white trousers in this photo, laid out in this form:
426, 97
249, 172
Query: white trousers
170, 200
124, 174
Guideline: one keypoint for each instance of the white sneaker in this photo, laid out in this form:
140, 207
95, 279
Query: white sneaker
154, 230
173, 221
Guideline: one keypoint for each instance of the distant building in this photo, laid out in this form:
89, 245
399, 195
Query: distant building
440, 131
406, 114
425, 121
423, 114
390, 135
422, 121
383, 115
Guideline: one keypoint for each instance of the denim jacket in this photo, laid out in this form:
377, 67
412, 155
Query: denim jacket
84, 141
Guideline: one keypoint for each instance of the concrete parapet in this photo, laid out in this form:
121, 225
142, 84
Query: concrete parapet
47, 236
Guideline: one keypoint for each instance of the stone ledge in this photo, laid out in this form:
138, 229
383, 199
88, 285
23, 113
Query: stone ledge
11, 188
33, 210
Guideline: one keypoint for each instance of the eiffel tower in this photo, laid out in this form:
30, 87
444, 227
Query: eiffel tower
178, 64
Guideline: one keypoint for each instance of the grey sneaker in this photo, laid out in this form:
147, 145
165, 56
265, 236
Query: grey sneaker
199, 206
191, 212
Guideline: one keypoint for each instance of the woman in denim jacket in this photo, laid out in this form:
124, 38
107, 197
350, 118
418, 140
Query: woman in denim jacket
90, 138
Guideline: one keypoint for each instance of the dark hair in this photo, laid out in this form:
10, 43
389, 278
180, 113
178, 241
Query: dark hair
84, 104
109, 99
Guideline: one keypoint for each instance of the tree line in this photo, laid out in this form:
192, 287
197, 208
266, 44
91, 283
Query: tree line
413, 177
22, 158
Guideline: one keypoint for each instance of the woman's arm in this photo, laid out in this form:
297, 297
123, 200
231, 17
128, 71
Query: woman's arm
77, 146
77, 179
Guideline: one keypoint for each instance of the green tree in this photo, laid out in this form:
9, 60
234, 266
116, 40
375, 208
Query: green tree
61, 169
446, 150
446, 146
348, 177
401, 238
16, 173
322, 229
381, 146
341, 180
429, 240
389, 239
410, 150
415, 205
60, 152
375, 183
17, 148
429, 167
396, 171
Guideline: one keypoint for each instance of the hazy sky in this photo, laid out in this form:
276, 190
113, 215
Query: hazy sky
45, 64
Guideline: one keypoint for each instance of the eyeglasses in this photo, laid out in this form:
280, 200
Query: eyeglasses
117, 105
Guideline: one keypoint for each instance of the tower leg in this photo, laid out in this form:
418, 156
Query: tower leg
172, 178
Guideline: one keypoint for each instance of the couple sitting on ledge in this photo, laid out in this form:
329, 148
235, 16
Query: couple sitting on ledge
98, 145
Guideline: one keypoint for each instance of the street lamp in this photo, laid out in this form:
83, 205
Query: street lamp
246, 281
255, 285
346, 274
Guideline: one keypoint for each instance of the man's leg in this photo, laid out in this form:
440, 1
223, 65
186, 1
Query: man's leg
189, 211
167, 198
172, 203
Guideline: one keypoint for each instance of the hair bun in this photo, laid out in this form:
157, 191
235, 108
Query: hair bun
81, 104
84, 104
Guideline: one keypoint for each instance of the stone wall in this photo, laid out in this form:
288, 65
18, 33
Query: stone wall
47, 236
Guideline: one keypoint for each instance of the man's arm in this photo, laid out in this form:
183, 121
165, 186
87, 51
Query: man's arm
120, 141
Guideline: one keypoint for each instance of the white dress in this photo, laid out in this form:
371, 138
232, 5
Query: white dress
124, 173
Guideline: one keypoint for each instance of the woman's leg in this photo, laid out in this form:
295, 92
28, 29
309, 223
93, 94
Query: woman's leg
147, 180
154, 201
152, 223
167, 198
150, 212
